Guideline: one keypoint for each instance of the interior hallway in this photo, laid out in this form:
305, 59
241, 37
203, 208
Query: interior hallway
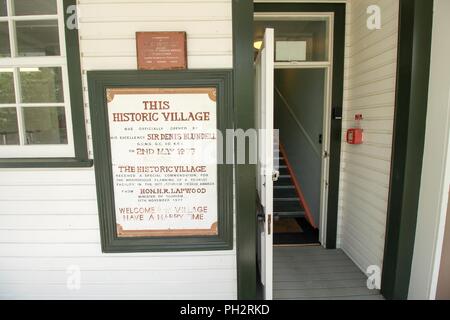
314, 273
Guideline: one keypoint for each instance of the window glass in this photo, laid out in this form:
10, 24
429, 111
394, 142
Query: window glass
37, 38
7, 94
3, 11
300, 39
5, 49
9, 131
34, 7
45, 125
33, 77
41, 85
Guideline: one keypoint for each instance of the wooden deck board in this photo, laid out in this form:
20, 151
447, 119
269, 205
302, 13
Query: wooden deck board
323, 276
317, 273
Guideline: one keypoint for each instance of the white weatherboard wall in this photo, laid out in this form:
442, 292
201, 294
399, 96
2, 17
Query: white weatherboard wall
370, 76
48, 217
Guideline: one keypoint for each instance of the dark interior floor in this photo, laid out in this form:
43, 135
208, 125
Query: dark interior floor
306, 234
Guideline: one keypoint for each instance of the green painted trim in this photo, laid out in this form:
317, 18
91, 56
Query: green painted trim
76, 87
339, 10
81, 158
98, 82
245, 174
415, 32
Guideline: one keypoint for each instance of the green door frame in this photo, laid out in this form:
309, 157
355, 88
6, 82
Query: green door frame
415, 29
413, 73
337, 92
244, 119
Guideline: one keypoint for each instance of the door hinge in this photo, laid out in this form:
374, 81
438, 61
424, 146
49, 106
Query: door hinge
326, 154
275, 175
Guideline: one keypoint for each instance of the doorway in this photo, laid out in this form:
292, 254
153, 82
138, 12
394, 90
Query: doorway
302, 111
304, 77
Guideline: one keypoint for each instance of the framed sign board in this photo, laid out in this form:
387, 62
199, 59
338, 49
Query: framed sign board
156, 151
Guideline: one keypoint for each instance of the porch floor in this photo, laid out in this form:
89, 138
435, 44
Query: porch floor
315, 273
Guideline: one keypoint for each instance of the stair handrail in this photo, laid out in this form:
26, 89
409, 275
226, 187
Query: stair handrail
299, 124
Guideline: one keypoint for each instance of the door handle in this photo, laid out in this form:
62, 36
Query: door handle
261, 217
260, 214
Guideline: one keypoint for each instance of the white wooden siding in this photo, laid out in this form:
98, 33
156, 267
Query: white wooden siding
370, 76
48, 217
49, 221
108, 27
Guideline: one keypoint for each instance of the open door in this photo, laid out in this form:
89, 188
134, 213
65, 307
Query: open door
264, 91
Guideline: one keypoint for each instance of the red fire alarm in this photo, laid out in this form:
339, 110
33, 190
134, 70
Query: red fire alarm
355, 135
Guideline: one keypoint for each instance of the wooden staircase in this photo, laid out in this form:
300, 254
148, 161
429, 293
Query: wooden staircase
286, 203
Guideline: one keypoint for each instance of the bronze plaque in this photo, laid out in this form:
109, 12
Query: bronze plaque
161, 50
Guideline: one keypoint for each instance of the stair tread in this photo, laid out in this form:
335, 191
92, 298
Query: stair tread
286, 199
293, 214
284, 187
286, 203
287, 208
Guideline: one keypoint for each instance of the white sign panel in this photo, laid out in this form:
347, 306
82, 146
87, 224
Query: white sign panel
290, 51
163, 153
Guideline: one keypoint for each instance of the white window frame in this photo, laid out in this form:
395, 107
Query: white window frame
42, 150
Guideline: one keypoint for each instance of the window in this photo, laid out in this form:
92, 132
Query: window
37, 92
298, 38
